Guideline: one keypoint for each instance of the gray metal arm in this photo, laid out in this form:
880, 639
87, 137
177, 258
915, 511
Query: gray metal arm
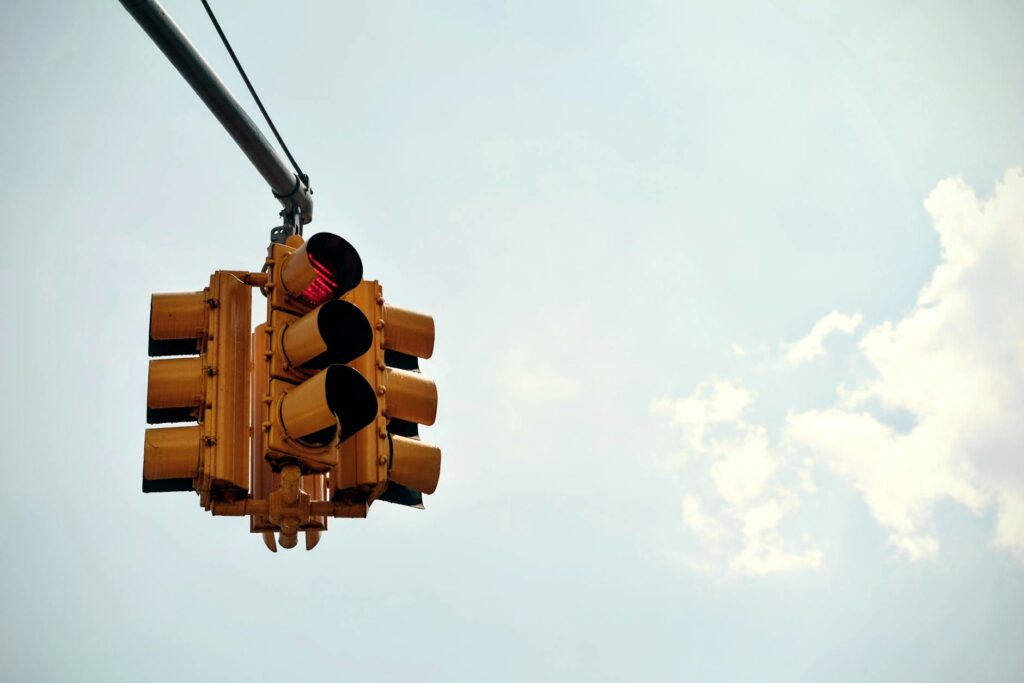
285, 184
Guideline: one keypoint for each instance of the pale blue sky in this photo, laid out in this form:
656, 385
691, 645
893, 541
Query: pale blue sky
623, 217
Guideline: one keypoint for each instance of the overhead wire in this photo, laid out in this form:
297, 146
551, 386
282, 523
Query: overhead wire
252, 91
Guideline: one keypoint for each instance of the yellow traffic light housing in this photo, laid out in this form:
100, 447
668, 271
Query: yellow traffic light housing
307, 274
313, 401
208, 384
334, 332
330, 385
386, 460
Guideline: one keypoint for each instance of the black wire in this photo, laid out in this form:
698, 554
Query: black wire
216, 25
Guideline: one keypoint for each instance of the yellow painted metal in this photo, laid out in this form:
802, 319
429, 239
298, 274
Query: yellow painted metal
408, 331
180, 315
296, 431
367, 461
316, 486
304, 409
410, 396
289, 506
314, 272
331, 333
415, 464
215, 456
264, 480
250, 279
284, 426
362, 469
301, 340
301, 426
296, 272
211, 388
225, 463
278, 296
171, 453
175, 383
172, 457
290, 417
362, 463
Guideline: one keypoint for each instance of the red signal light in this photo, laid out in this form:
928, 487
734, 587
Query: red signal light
323, 288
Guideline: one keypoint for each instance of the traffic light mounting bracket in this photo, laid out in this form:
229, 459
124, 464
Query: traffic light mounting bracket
290, 222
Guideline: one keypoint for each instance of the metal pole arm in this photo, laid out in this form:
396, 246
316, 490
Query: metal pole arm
284, 183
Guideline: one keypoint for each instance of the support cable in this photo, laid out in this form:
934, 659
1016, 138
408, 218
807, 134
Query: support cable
252, 91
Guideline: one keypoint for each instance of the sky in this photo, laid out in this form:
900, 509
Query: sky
730, 339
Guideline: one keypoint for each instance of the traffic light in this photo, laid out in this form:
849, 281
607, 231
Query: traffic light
386, 460
314, 414
313, 402
201, 375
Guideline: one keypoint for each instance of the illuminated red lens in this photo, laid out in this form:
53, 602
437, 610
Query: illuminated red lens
323, 288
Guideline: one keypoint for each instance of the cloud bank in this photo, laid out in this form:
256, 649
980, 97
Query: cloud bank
954, 364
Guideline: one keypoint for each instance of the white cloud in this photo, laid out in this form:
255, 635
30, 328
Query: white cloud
764, 551
742, 500
953, 366
812, 345
1010, 525
900, 476
915, 546
743, 465
955, 363
712, 404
